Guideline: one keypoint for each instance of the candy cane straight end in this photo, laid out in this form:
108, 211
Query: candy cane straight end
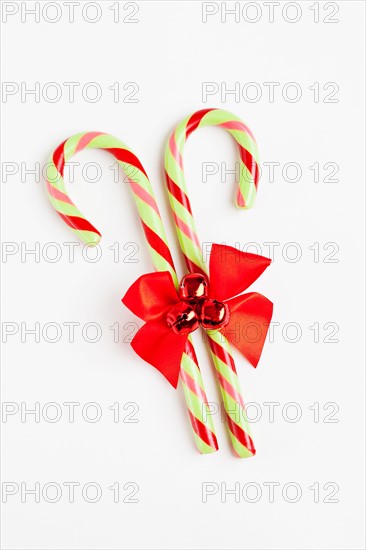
244, 454
205, 448
95, 242
90, 239
243, 446
245, 204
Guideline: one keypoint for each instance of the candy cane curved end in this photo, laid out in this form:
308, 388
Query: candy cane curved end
247, 146
59, 196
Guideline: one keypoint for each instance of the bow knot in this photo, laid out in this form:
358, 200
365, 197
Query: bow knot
215, 304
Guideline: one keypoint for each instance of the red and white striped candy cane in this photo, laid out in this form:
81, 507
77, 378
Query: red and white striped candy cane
190, 245
152, 224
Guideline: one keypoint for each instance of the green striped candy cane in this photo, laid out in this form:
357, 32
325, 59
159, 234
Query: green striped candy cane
195, 396
186, 229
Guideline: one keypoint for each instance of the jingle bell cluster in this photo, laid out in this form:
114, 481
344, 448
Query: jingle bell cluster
196, 307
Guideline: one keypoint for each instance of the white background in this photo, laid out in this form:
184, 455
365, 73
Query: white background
170, 52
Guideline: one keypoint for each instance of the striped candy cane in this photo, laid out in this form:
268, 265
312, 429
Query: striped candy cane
190, 245
152, 224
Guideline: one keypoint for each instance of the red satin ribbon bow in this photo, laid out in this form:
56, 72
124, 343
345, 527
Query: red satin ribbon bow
213, 303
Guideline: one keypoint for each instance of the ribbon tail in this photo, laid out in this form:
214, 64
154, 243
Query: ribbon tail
250, 316
160, 346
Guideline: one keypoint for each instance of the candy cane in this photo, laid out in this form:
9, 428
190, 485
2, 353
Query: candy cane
190, 245
152, 224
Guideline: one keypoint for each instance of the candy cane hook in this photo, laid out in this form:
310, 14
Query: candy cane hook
190, 245
144, 198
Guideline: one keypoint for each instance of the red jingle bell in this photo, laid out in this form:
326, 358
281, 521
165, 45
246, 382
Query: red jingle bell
214, 314
182, 318
193, 287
